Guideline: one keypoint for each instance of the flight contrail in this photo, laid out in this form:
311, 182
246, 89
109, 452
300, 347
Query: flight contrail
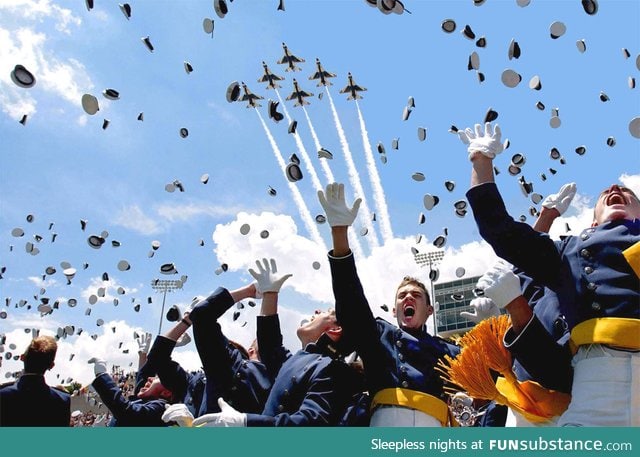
354, 242
378, 192
323, 162
354, 178
297, 196
305, 156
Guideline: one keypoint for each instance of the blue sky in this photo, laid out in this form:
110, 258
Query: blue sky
63, 167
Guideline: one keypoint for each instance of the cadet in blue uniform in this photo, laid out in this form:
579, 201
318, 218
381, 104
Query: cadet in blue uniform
30, 402
313, 385
595, 276
238, 376
399, 361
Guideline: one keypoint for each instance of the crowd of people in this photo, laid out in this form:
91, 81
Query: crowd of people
556, 343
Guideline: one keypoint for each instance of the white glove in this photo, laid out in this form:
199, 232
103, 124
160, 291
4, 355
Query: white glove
488, 143
144, 342
500, 284
267, 280
99, 365
482, 308
178, 413
183, 340
562, 199
335, 207
227, 417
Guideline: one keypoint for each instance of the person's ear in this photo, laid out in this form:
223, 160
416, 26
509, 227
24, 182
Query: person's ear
394, 312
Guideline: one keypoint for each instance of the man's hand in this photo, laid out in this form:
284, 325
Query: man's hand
227, 417
335, 207
178, 413
562, 199
266, 278
99, 365
481, 308
500, 284
487, 143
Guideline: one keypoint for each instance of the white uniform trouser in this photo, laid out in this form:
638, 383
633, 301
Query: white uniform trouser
399, 416
515, 419
606, 388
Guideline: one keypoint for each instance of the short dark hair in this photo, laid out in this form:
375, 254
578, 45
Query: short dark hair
40, 354
416, 282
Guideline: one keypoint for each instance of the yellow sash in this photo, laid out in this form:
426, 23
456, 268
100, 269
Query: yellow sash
632, 255
621, 332
420, 401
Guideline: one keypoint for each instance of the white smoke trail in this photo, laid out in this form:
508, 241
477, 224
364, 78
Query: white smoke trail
297, 196
378, 192
354, 242
305, 156
323, 162
354, 178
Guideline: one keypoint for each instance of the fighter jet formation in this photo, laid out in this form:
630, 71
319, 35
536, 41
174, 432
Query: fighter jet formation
299, 95
352, 89
322, 75
289, 60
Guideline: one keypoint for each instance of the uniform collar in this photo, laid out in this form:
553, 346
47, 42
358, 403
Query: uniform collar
325, 346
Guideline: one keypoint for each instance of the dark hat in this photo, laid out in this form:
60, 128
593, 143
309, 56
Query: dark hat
22, 77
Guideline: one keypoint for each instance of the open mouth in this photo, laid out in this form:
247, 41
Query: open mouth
409, 311
615, 198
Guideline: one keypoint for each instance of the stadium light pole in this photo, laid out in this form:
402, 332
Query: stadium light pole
164, 286
431, 258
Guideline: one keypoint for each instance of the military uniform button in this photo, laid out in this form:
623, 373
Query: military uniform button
293, 378
403, 369
588, 270
405, 384
399, 343
592, 286
280, 408
584, 236
400, 357
238, 375
234, 388
585, 254
286, 392
595, 306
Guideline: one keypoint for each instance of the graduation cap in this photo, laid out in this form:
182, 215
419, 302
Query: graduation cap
634, 127
380, 147
321, 219
590, 6
422, 133
474, 61
220, 6
581, 150
491, 115
460, 272
534, 83
273, 111
105, 124
147, 42
184, 132
173, 314
168, 269
292, 127
448, 25
468, 33
264, 234
22, 77
244, 229
204, 179
481, 42
604, 97
95, 241
280, 5
111, 94
123, 265
418, 176
90, 104
394, 143
406, 112
450, 185
233, 92
293, 172
611, 141
510, 78
429, 201
126, 9
581, 45
207, 26
271, 191
514, 50
557, 29
188, 68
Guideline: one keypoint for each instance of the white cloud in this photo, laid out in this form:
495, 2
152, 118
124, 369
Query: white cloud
632, 182
25, 43
174, 213
39, 10
133, 218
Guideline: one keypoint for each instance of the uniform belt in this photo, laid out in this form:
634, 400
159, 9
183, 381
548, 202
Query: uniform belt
619, 332
420, 401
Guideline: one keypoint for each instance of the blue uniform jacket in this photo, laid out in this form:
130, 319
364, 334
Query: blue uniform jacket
588, 273
391, 356
30, 402
187, 387
244, 384
128, 413
313, 385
